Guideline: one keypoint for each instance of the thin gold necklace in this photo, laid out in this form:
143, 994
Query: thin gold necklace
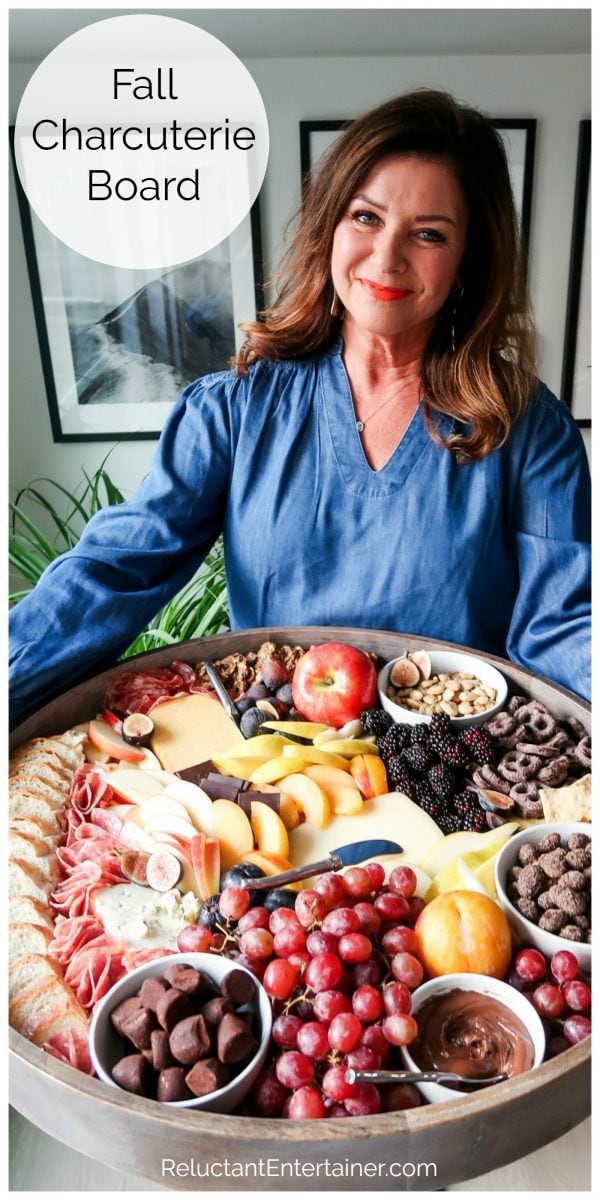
360, 425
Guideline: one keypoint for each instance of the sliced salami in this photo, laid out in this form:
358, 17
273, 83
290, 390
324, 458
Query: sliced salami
138, 692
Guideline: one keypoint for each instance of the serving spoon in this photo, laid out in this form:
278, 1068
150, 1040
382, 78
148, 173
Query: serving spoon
442, 1077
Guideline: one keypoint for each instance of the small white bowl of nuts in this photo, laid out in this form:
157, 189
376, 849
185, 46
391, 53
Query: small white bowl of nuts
422, 682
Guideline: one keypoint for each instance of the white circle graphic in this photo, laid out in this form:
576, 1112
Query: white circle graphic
141, 141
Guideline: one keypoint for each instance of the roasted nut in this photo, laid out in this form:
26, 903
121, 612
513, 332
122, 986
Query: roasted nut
570, 902
552, 920
578, 841
550, 842
553, 863
575, 880
528, 908
531, 881
527, 854
573, 933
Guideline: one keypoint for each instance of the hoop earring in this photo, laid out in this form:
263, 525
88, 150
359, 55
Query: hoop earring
336, 305
456, 296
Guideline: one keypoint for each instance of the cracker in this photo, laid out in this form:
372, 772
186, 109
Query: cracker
573, 802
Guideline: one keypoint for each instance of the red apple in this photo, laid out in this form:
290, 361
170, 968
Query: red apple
105, 738
333, 683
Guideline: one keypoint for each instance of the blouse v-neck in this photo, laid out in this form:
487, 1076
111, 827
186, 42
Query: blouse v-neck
359, 476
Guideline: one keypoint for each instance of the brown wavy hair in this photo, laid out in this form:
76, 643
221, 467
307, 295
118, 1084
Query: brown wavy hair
487, 381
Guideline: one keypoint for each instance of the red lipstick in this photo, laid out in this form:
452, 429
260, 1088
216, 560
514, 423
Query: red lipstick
379, 292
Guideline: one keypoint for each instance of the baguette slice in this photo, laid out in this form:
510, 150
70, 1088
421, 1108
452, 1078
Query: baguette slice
36, 1004
25, 938
30, 911
25, 880
34, 827
35, 852
65, 753
25, 803
29, 971
59, 1020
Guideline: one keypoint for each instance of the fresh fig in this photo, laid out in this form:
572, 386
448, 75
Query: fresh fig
404, 673
274, 708
423, 662
163, 871
134, 864
495, 802
273, 673
137, 729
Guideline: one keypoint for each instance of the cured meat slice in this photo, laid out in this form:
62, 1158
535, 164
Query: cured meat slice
138, 958
71, 1048
70, 934
140, 691
94, 970
89, 788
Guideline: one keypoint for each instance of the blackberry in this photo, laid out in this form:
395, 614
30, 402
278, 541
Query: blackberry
375, 720
419, 757
419, 734
449, 823
399, 774
465, 802
426, 800
440, 726
475, 820
442, 778
396, 738
451, 750
479, 743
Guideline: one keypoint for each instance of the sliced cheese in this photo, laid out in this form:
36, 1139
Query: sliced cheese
190, 730
392, 816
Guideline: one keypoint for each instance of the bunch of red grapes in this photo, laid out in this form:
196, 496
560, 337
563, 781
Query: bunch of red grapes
558, 992
339, 967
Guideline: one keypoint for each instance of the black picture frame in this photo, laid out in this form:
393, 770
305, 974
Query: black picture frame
519, 137
156, 329
575, 383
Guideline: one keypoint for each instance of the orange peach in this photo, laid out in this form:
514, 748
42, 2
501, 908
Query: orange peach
464, 931
368, 772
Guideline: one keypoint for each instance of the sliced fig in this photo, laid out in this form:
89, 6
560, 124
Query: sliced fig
274, 708
495, 802
423, 662
134, 865
404, 673
163, 871
137, 729
494, 820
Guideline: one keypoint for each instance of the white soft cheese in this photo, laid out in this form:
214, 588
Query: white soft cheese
143, 918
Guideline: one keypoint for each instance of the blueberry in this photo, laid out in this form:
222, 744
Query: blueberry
251, 721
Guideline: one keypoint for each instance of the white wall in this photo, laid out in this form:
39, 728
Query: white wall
555, 89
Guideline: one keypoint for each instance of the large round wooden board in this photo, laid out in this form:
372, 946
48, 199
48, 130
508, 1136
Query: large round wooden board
462, 1139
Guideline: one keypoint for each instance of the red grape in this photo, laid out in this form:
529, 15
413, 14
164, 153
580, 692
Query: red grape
530, 964
576, 1028
577, 994
416, 905
280, 918
285, 1031
367, 1003
299, 959
366, 972
397, 1096
358, 883
374, 1037
403, 881
318, 942
294, 1070
234, 902
289, 939
255, 918
310, 908
194, 939
401, 1029
313, 1040
327, 1005
333, 890
257, 943
548, 1000
396, 999
564, 966
376, 874
370, 921
344, 1032
336, 1086
340, 921
279, 979
323, 972
365, 1102
336, 1110
400, 938
355, 948
391, 907
269, 1094
305, 1105
407, 969
363, 1059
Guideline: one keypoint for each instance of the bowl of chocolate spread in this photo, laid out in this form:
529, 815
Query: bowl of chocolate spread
476, 1026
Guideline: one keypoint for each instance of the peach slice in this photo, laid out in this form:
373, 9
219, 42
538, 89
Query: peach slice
271, 864
104, 738
368, 772
241, 768
269, 831
287, 809
234, 832
308, 797
276, 769
312, 754
206, 861
169, 822
343, 795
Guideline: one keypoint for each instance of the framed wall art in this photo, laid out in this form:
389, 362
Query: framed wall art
118, 345
576, 387
518, 135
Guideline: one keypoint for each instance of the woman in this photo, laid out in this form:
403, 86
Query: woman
382, 456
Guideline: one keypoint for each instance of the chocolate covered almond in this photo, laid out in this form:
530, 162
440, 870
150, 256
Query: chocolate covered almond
134, 1074
172, 1007
171, 1085
207, 1076
190, 1040
235, 1040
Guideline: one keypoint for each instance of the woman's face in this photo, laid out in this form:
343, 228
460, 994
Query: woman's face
397, 249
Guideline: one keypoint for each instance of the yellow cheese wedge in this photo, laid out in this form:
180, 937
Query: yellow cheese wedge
392, 816
191, 729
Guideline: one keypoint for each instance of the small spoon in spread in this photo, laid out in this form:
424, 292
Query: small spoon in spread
353, 1076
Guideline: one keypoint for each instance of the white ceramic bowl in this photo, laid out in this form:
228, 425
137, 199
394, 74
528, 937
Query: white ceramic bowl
443, 661
486, 986
525, 930
106, 1047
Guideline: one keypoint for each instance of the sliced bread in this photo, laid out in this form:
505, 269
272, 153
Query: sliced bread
34, 851
25, 938
32, 912
39, 1001
59, 1020
29, 971
34, 827
25, 880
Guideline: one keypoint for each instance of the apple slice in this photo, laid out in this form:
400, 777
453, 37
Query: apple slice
158, 804
93, 754
276, 769
106, 739
369, 774
196, 803
149, 761
350, 746
266, 745
343, 795
312, 754
241, 768
269, 831
132, 785
206, 861
159, 776
309, 798
136, 837
234, 832
307, 729
169, 822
